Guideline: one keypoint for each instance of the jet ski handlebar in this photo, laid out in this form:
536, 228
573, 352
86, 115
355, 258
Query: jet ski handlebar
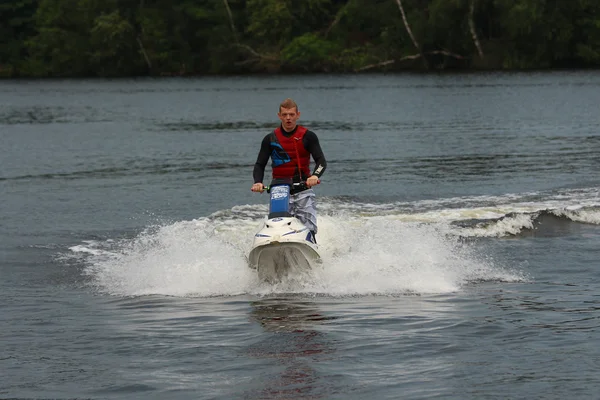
296, 185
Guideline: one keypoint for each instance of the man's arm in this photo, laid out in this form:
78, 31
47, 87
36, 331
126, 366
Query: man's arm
311, 143
262, 160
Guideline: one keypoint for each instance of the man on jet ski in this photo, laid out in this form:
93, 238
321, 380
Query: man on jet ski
290, 146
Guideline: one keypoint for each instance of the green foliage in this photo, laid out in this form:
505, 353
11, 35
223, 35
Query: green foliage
365, 21
271, 21
447, 27
60, 46
309, 52
154, 37
176, 37
542, 34
17, 25
274, 23
113, 45
356, 58
586, 36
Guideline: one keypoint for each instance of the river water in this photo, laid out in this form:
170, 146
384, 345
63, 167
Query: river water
458, 224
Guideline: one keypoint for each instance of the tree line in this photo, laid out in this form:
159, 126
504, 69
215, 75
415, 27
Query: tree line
60, 38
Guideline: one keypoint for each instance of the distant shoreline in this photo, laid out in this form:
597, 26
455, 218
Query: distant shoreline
305, 74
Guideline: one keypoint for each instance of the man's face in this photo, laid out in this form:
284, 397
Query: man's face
288, 117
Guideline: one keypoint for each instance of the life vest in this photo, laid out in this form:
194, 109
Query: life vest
288, 154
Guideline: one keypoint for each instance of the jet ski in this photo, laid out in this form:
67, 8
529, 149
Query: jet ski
284, 245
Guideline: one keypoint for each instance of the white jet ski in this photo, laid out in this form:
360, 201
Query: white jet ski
284, 245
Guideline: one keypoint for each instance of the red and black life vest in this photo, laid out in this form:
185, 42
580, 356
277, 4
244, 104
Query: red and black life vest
288, 154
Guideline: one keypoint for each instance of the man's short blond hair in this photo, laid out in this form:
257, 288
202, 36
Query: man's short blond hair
288, 103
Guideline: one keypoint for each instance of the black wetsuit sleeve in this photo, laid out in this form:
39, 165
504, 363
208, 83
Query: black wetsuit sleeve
311, 143
262, 160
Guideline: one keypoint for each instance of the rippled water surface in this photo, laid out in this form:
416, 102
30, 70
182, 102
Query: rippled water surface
458, 225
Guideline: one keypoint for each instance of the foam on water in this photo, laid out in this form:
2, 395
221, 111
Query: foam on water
496, 216
381, 255
361, 255
178, 259
366, 248
580, 215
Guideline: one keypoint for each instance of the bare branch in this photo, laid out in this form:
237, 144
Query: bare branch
248, 61
412, 37
143, 50
376, 65
256, 54
411, 57
233, 30
472, 28
141, 44
447, 53
388, 62
334, 23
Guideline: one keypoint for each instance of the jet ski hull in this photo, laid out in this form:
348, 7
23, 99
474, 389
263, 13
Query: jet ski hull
276, 261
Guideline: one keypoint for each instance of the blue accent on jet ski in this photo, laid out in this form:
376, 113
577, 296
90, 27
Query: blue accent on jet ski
280, 201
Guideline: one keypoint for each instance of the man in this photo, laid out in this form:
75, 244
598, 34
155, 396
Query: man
290, 146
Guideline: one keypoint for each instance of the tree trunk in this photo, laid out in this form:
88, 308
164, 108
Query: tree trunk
412, 37
233, 30
140, 32
143, 50
472, 28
